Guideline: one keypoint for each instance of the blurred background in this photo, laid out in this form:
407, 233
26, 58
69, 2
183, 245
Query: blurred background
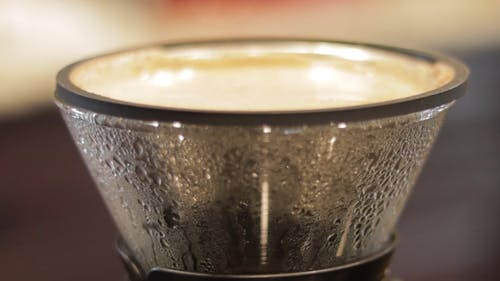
53, 225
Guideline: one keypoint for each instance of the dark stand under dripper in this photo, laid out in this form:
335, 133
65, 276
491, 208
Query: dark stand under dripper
368, 269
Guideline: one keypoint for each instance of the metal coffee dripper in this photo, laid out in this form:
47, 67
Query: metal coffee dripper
302, 195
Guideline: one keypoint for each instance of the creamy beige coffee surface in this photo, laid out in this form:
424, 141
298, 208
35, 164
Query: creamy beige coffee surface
259, 77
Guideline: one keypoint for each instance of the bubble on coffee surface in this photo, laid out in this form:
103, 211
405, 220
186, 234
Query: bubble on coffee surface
259, 78
233, 199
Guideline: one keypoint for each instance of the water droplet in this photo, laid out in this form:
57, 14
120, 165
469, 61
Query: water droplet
123, 203
188, 261
332, 237
157, 179
164, 242
127, 179
139, 149
171, 217
141, 172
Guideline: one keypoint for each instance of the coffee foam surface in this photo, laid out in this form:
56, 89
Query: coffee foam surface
259, 78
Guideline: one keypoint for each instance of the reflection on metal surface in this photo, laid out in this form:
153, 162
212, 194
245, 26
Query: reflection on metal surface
264, 218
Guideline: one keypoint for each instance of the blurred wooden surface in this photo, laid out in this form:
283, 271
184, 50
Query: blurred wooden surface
53, 225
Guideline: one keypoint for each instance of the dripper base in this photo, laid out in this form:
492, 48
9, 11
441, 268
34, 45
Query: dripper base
374, 268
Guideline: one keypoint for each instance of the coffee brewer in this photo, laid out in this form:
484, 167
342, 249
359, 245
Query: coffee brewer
257, 159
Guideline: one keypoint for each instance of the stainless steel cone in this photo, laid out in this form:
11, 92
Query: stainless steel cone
239, 193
